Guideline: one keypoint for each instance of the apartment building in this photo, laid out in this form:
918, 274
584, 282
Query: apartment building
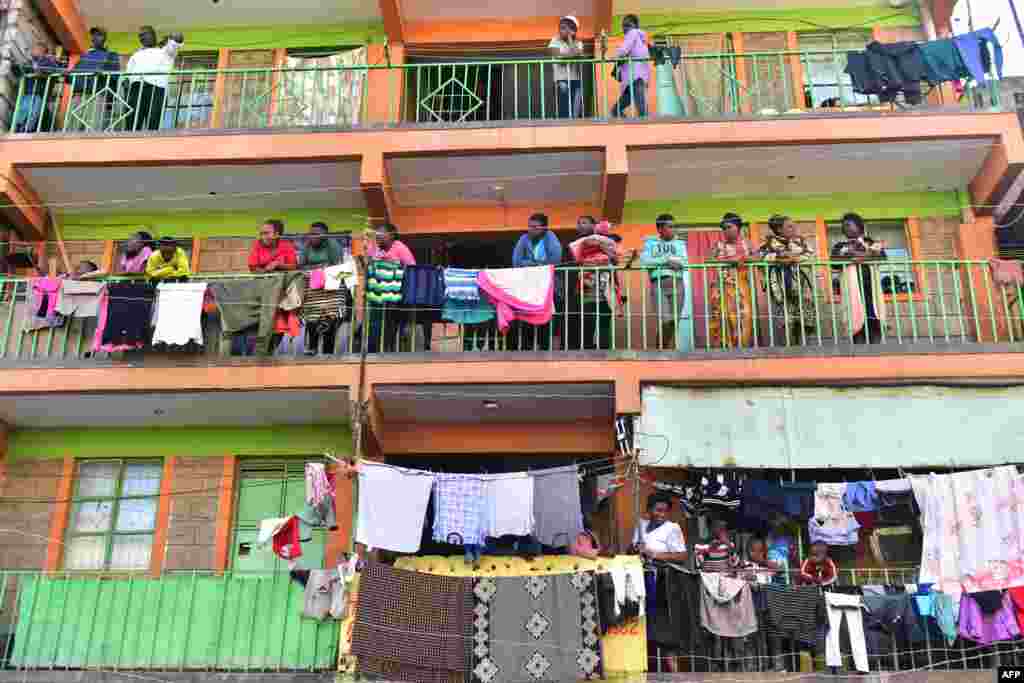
133, 483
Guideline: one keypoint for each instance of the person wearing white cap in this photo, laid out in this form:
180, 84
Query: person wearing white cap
568, 77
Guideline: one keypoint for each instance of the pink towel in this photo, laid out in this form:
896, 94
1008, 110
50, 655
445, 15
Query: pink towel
526, 294
317, 279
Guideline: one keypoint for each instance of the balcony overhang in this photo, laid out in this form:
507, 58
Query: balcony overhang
479, 178
148, 409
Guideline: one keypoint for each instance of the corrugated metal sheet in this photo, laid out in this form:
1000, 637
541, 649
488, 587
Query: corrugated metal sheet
814, 427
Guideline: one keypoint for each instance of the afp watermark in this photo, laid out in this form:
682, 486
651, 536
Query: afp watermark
1010, 673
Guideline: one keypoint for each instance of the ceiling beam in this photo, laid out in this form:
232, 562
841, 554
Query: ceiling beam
613, 182
604, 13
394, 22
996, 178
64, 19
21, 206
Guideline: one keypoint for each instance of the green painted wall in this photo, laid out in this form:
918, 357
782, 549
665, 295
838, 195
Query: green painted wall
789, 19
262, 37
204, 223
177, 622
709, 209
156, 442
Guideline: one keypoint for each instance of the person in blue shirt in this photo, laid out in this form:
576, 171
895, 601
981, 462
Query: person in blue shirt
93, 83
539, 246
664, 255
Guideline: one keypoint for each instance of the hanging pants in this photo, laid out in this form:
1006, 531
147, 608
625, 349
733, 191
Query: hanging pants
840, 605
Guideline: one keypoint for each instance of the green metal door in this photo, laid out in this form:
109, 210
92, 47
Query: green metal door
270, 488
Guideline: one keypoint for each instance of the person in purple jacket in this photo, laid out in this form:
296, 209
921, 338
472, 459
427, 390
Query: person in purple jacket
633, 75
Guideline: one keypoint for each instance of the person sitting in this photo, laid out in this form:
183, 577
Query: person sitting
319, 249
169, 262
37, 89
271, 253
818, 569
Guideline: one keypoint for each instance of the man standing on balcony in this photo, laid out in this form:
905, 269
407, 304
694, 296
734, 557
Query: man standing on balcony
634, 69
91, 94
665, 257
149, 70
568, 79
538, 247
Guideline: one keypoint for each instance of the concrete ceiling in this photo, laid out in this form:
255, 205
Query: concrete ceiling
808, 169
421, 10
472, 180
213, 409
517, 403
128, 15
197, 188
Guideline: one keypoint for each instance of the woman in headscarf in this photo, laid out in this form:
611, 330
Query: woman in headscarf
730, 303
789, 286
863, 303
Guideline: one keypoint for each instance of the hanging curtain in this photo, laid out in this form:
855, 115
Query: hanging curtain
322, 91
698, 247
704, 82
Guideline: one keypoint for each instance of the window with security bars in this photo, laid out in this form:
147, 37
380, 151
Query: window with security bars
189, 102
705, 77
826, 82
271, 488
897, 276
113, 515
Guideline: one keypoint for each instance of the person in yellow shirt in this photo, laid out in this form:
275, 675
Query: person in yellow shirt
169, 262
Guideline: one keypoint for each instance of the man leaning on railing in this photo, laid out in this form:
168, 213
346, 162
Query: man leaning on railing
92, 88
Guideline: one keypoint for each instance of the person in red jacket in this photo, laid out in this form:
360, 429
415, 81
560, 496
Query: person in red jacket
818, 569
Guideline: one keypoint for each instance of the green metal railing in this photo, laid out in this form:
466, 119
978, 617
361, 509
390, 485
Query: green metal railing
710, 307
179, 622
706, 85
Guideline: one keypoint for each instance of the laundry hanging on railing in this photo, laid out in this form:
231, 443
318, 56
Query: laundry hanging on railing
79, 298
462, 301
525, 294
41, 312
177, 313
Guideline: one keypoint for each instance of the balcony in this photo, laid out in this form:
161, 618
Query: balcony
716, 310
705, 86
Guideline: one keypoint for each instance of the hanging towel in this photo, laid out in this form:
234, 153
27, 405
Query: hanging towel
974, 51
384, 282
509, 505
317, 279
423, 292
79, 298
727, 608
557, 512
467, 312
525, 294
246, 303
630, 592
392, 507
460, 284
334, 276
129, 313
42, 310
942, 61
987, 628
269, 528
177, 313
325, 595
286, 542
1006, 273
317, 485
459, 508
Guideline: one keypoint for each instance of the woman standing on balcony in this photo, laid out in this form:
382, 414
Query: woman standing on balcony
568, 78
862, 298
789, 286
135, 254
633, 70
730, 304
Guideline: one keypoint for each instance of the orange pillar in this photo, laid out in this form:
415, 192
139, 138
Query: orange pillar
225, 513
163, 519
385, 88
59, 517
982, 300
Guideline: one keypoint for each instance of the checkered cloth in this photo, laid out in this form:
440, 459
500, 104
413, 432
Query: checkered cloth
413, 627
459, 505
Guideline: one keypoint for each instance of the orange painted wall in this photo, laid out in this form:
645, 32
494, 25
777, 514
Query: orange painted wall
473, 439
